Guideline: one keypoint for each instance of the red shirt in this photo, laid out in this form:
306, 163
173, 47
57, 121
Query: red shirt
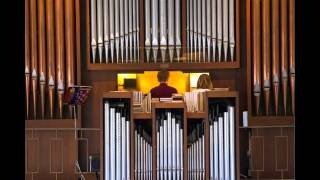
163, 90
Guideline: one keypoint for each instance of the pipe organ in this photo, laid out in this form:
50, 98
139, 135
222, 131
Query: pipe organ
203, 31
50, 56
273, 57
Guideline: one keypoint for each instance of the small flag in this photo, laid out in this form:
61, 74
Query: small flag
76, 95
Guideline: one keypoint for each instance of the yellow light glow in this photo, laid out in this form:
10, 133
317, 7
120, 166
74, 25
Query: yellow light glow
177, 79
194, 79
121, 78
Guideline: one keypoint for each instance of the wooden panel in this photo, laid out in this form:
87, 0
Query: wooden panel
278, 153
257, 147
32, 155
281, 149
51, 152
56, 155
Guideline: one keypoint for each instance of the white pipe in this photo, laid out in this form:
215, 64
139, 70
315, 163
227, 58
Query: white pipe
232, 143
226, 146
113, 144
107, 140
106, 27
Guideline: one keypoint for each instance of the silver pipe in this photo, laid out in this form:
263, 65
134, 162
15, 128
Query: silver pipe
178, 149
225, 28
139, 156
165, 147
199, 29
214, 28
122, 29
100, 28
155, 26
216, 151
142, 156
195, 26
221, 152
128, 148
209, 29
158, 154
197, 159
111, 13
181, 153
93, 29
203, 32
211, 152
231, 28
117, 28
219, 28
106, 27
130, 29
113, 144
137, 27
123, 148
118, 146
178, 23
147, 23
204, 159
174, 151
126, 28
107, 140
171, 25
226, 145
161, 151
188, 29
169, 145
232, 143
136, 154
134, 30
163, 23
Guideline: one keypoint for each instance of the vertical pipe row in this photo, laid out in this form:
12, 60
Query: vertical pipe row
196, 151
222, 142
213, 24
143, 155
116, 140
169, 145
273, 56
114, 28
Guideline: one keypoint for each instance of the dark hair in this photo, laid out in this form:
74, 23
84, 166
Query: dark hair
163, 76
204, 82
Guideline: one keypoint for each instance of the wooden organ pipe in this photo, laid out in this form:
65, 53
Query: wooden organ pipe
275, 52
284, 52
291, 51
266, 52
50, 54
27, 54
42, 53
256, 53
70, 53
34, 57
59, 37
